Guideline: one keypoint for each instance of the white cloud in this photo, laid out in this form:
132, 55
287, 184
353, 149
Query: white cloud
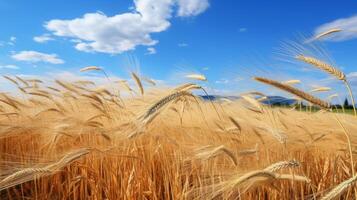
347, 25
97, 32
352, 79
70, 77
151, 51
222, 81
352, 75
182, 45
9, 67
43, 38
12, 41
34, 56
75, 40
243, 30
237, 79
192, 7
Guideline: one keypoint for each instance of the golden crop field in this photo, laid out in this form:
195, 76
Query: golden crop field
76, 140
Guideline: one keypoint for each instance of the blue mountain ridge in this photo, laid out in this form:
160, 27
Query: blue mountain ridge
271, 100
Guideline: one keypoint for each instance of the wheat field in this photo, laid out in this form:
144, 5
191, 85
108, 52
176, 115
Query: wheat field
76, 140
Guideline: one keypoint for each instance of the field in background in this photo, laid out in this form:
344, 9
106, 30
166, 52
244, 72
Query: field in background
80, 141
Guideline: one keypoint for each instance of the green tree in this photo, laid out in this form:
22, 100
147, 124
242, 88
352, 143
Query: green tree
346, 104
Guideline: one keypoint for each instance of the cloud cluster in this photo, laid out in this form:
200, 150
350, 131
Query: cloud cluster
43, 38
352, 78
182, 45
9, 67
191, 7
12, 41
151, 51
97, 32
34, 56
243, 30
347, 25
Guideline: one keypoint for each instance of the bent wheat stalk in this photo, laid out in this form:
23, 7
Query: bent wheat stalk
328, 32
254, 178
138, 82
95, 68
199, 77
153, 111
322, 66
90, 68
332, 71
253, 102
338, 190
294, 91
206, 154
161, 103
31, 173
281, 165
292, 82
321, 89
349, 144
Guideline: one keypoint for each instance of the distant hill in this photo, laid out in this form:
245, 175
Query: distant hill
271, 100
278, 100
218, 97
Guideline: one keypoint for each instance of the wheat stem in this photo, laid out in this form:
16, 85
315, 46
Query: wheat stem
351, 95
349, 144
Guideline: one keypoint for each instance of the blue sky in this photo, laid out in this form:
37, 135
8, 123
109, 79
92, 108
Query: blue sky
229, 41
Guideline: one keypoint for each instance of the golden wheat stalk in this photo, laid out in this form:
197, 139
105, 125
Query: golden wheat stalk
22, 80
294, 91
31, 173
11, 80
332, 96
90, 68
161, 103
153, 110
67, 86
332, 71
34, 80
339, 189
341, 76
138, 82
339, 100
236, 124
321, 89
187, 86
253, 102
292, 82
349, 144
177, 92
199, 77
323, 66
328, 32
282, 165
206, 153
253, 178
84, 82
149, 80
245, 152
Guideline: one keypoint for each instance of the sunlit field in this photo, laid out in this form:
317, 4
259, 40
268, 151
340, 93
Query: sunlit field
78, 140
178, 100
